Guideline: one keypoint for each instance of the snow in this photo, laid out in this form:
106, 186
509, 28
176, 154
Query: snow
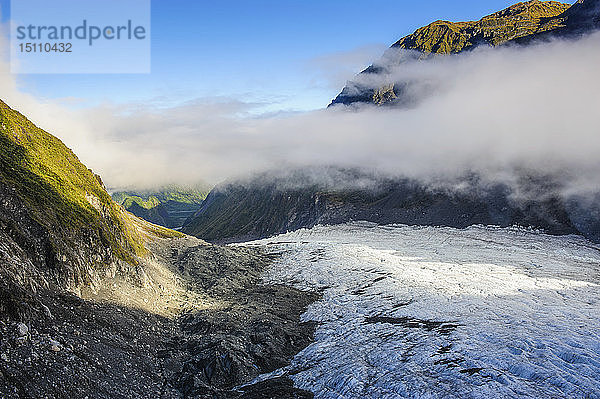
424, 312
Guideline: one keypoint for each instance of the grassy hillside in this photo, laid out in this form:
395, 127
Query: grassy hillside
59, 190
519, 20
58, 225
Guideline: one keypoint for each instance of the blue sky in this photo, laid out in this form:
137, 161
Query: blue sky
287, 54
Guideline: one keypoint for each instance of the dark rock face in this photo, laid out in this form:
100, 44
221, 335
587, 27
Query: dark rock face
585, 215
30, 255
275, 388
583, 15
261, 208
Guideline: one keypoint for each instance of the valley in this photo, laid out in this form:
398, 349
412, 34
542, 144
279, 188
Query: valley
195, 322
170, 207
444, 251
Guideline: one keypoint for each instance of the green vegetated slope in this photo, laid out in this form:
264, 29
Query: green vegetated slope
522, 19
519, 23
169, 206
58, 225
57, 188
268, 205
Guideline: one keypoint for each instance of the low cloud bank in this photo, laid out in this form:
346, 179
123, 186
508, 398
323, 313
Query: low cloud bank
491, 112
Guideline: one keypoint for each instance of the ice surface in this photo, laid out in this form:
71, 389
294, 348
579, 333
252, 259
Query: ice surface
424, 312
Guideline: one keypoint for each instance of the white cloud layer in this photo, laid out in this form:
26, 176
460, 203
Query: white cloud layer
492, 111
332, 70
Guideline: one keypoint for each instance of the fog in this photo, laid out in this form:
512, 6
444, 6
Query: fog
491, 112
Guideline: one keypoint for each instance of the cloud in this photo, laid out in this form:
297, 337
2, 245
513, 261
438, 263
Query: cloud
334, 69
490, 112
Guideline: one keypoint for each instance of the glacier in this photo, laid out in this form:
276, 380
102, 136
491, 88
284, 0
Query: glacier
432, 312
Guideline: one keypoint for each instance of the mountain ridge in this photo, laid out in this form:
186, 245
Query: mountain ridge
267, 205
518, 24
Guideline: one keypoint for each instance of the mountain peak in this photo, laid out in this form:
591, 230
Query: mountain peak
519, 23
521, 19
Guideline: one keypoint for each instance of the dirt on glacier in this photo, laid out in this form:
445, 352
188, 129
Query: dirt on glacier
232, 329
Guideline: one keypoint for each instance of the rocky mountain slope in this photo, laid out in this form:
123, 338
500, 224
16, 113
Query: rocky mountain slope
95, 302
581, 16
519, 24
201, 326
169, 207
267, 205
58, 225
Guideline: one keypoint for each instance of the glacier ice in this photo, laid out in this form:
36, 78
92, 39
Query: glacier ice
426, 312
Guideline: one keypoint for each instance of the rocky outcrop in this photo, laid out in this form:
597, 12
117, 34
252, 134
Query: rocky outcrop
521, 23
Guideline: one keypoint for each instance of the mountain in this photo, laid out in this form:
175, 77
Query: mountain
521, 23
581, 16
95, 302
169, 207
267, 205
56, 218
270, 204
